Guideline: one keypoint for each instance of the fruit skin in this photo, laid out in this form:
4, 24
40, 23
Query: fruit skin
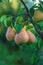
10, 34
22, 37
38, 15
31, 36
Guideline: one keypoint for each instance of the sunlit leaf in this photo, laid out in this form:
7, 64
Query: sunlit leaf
7, 21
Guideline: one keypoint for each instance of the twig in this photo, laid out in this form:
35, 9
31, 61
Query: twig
32, 21
17, 15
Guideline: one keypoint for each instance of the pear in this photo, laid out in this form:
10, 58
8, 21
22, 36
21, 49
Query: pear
31, 36
38, 15
10, 34
22, 37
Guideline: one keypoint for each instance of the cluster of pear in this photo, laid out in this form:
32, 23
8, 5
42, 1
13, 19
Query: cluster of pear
38, 15
22, 37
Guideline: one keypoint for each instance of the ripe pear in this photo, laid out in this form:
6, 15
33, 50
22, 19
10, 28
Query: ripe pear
38, 15
22, 37
10, 34
31, 36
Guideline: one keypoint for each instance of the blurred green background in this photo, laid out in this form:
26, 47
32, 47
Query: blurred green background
10, 53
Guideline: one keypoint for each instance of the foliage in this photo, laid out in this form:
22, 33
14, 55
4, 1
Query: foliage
26, 54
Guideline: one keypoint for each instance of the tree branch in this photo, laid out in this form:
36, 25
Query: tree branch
32, 21
17, 15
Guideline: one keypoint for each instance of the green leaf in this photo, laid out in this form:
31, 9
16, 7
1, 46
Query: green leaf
0, 1
40, 25
19, 20
3, 18
19, 27
3, 62
21, 10
7, 21
41, 1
